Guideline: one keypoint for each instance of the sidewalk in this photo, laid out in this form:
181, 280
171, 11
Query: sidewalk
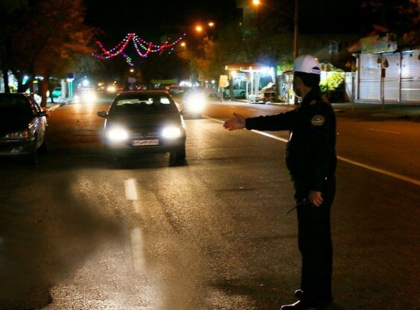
368, 111
51, 106
375, 111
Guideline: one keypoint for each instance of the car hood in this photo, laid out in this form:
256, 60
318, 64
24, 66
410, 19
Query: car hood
145, 120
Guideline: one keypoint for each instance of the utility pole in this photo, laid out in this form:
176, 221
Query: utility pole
296, 30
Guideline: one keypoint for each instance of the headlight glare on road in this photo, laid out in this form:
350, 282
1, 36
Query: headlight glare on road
117, 134
171, 132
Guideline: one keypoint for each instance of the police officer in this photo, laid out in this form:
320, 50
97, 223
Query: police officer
311, 161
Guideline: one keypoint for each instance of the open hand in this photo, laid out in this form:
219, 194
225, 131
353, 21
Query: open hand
237, 122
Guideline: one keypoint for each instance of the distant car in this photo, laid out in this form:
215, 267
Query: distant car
191, 101
237, 92
56, 93
23, 126
141, 122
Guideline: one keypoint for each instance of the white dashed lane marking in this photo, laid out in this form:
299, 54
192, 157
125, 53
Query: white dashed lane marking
137, 250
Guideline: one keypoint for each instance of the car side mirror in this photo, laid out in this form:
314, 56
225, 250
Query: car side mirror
102, 114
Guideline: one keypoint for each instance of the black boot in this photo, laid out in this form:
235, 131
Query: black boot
298, 294
300, 305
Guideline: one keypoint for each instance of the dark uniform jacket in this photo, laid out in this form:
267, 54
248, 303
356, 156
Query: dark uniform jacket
310, 151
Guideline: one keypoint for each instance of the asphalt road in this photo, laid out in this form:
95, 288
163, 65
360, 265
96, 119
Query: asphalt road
77, 233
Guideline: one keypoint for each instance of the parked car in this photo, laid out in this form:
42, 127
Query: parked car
191, 101
56, 93
237, 92
23, 126
141, 122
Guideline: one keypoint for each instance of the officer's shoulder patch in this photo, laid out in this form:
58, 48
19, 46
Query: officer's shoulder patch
318, 120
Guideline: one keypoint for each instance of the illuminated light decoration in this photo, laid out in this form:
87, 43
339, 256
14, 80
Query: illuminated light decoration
143, 48
127, 59
117, 50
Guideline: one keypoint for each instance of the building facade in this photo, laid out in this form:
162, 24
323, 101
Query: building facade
388, 77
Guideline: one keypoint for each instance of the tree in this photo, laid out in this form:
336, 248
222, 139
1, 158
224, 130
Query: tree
401, 17
9, 11
62, 36
270, 43
48, 38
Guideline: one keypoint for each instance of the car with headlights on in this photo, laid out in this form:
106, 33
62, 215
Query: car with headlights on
142, 122
23, 126
86, 96
190, 100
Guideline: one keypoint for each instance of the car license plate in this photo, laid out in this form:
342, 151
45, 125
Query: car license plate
145, 142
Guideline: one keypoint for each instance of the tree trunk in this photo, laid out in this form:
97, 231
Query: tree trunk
6, 80
44, 89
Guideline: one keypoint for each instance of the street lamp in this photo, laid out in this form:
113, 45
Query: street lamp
199, 28
295, 19
256, 3
203, 33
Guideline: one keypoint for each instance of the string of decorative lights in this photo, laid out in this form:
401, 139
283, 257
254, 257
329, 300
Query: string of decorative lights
143, 47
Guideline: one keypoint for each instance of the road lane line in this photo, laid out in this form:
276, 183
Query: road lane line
137, 251
385, 131
131, 193
130, 186
388, 173
385, 172
269, 135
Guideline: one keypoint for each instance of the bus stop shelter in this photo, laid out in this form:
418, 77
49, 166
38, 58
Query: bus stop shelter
254, 71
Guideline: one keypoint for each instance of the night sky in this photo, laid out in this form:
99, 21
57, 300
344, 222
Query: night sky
145, 18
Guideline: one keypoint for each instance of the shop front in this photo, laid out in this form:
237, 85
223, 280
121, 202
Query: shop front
249, 79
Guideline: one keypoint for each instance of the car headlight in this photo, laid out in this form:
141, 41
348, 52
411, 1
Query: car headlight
196, 102
89, 96
86, 97
117, 134
111, 89
17, 135
76, 99
172, 132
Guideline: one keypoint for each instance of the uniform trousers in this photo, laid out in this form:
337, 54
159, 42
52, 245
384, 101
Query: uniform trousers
315, 242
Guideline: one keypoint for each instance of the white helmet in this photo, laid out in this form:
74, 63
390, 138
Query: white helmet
306, 64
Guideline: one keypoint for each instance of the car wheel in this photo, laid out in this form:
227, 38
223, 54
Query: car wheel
32, 157
43, 148
177, 157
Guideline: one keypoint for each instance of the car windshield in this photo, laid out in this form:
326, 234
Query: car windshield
142, 103
178, 91
13, 106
